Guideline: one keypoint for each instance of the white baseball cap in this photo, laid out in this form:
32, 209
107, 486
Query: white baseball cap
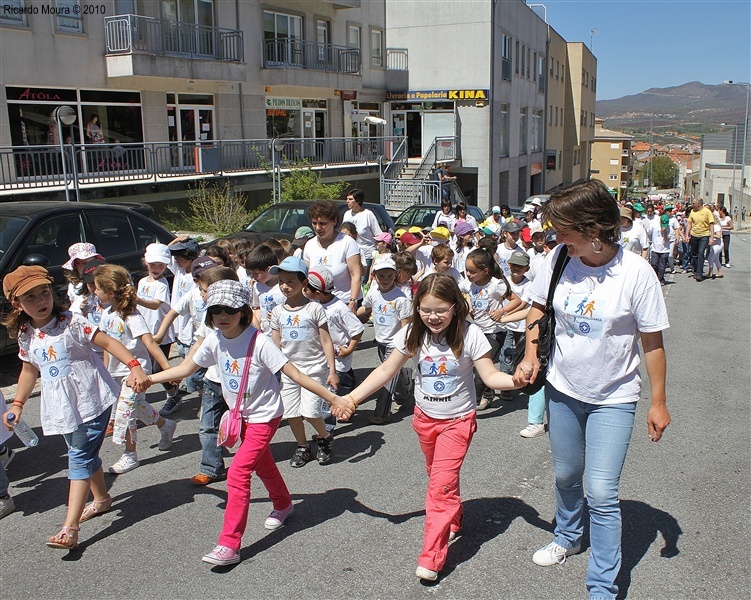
157, 253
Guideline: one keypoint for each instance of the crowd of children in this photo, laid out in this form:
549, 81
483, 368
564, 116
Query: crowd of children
257, 326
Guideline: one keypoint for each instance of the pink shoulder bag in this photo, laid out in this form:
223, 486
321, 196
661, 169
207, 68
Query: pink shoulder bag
231, 422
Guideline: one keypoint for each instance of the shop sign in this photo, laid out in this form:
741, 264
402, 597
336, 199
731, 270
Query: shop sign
346, 94
535, 169
468, 94
32, 94
283, 102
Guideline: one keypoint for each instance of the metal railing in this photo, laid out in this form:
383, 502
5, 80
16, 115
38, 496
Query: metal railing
290, 52
33, 167
443, 149
401, 193
126, 34
397, 59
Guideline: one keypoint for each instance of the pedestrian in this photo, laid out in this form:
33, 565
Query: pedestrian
511, 233
442, 258
77, 390
80, 254
727, 226
184, 251
228, 345
464, 235
7, 505
391, 309
606, 302
367, 227
490, 298
444, 217
122, 321
700, 230
714, 260
444, 348
300, 329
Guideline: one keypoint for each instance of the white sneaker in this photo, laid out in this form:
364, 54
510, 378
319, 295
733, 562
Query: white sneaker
553, 554
533, 430
128, 461
426, 574
277, 518
167, 430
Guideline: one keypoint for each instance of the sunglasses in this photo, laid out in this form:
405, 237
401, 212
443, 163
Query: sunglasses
218, 309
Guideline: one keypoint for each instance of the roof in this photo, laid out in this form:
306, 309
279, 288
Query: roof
609, 134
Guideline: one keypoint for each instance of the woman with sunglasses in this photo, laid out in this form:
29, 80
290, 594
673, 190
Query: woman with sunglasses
229, 315
444, 349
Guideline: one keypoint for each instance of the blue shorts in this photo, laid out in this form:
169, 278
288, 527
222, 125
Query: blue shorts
84, 445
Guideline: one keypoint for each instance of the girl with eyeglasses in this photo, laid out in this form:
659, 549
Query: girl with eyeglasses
445, 349
228, 346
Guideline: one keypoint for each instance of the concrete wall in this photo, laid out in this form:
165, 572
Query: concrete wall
556, 82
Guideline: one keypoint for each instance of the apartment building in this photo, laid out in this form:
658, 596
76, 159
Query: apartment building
611, 159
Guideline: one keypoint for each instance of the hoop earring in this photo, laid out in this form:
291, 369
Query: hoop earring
594, 248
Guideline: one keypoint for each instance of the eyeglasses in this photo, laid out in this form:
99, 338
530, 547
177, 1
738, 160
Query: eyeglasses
440, 313
218, 309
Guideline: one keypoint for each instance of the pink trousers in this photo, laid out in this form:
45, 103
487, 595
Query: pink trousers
253, 454
445, 443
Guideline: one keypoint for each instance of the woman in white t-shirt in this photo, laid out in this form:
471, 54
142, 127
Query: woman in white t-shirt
714, 260
334, 251
607, 300
367, 227
229, 346
726, 222
444, 349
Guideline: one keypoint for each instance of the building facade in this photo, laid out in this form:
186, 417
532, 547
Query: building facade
611, 159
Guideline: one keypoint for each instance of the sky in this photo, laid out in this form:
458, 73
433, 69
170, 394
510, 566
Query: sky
658, 43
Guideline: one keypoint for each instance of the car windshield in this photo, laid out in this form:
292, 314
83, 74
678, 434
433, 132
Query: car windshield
417, 215
280, 219
10, 227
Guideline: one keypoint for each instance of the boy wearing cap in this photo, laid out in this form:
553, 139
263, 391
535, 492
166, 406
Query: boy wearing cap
511, 233
659, 245
190, 306
345, 330
391, 310
184, 251
300, 328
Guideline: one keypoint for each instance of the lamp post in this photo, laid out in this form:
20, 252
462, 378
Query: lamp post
64, 115
277, 145
745, 143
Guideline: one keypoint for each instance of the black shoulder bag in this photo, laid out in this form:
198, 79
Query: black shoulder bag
546, 329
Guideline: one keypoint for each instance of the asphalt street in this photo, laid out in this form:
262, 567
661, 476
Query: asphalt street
357, 527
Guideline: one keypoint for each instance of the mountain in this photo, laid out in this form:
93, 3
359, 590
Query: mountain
692, 105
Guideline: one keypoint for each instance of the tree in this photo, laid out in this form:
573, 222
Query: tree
663, 172
303, 183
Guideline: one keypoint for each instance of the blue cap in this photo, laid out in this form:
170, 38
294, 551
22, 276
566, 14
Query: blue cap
291, 264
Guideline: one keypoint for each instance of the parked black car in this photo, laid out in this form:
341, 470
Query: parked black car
422, 215
120, 233
281, 220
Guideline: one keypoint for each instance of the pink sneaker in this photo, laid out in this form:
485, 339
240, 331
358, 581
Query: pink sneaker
222, 556
277, 517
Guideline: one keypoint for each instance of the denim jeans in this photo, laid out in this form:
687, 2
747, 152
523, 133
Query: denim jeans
699, 247
496, 342
84, 444
194, 383
592, 440
685, 251
213, 407
659, 261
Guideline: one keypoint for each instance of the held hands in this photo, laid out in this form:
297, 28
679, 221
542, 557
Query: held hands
496, 315
342, 408
526, 372
138, 381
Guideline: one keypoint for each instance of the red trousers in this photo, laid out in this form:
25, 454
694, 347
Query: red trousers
253, 454
444, 443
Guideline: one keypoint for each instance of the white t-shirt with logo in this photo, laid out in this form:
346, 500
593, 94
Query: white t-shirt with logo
192, 306
301, 340
128, 332
343, 326
599, 312
263, 401
212, 373
182, 284
156, 290
633, 239
334, 258
76, 386
388, 311
265, 299
483, 299
444, 386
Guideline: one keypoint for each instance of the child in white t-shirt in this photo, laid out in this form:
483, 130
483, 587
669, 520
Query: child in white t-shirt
299, 327
265, 294
391, 310
184, 251
345, 329
226, 346
443, 258
406, 269
490, 297
122, 321
444, 348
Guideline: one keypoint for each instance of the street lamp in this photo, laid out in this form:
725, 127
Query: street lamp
745, 143
277, 145
64, 115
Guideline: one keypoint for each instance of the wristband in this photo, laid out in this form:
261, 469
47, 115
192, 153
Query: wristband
133, 364
354, 403
17, 403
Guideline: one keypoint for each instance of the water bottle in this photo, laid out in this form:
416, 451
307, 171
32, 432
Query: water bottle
22, 430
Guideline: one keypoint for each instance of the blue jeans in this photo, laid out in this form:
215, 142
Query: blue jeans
496, 340
590, 439
213, 407
194, 383
659, 261
685, 251
699, 247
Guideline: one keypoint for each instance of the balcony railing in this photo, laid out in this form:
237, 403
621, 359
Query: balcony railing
129, 34
33, 167
289, 52
397, 59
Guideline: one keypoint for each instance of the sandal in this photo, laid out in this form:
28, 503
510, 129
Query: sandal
96, 508
484, 404
67, 539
